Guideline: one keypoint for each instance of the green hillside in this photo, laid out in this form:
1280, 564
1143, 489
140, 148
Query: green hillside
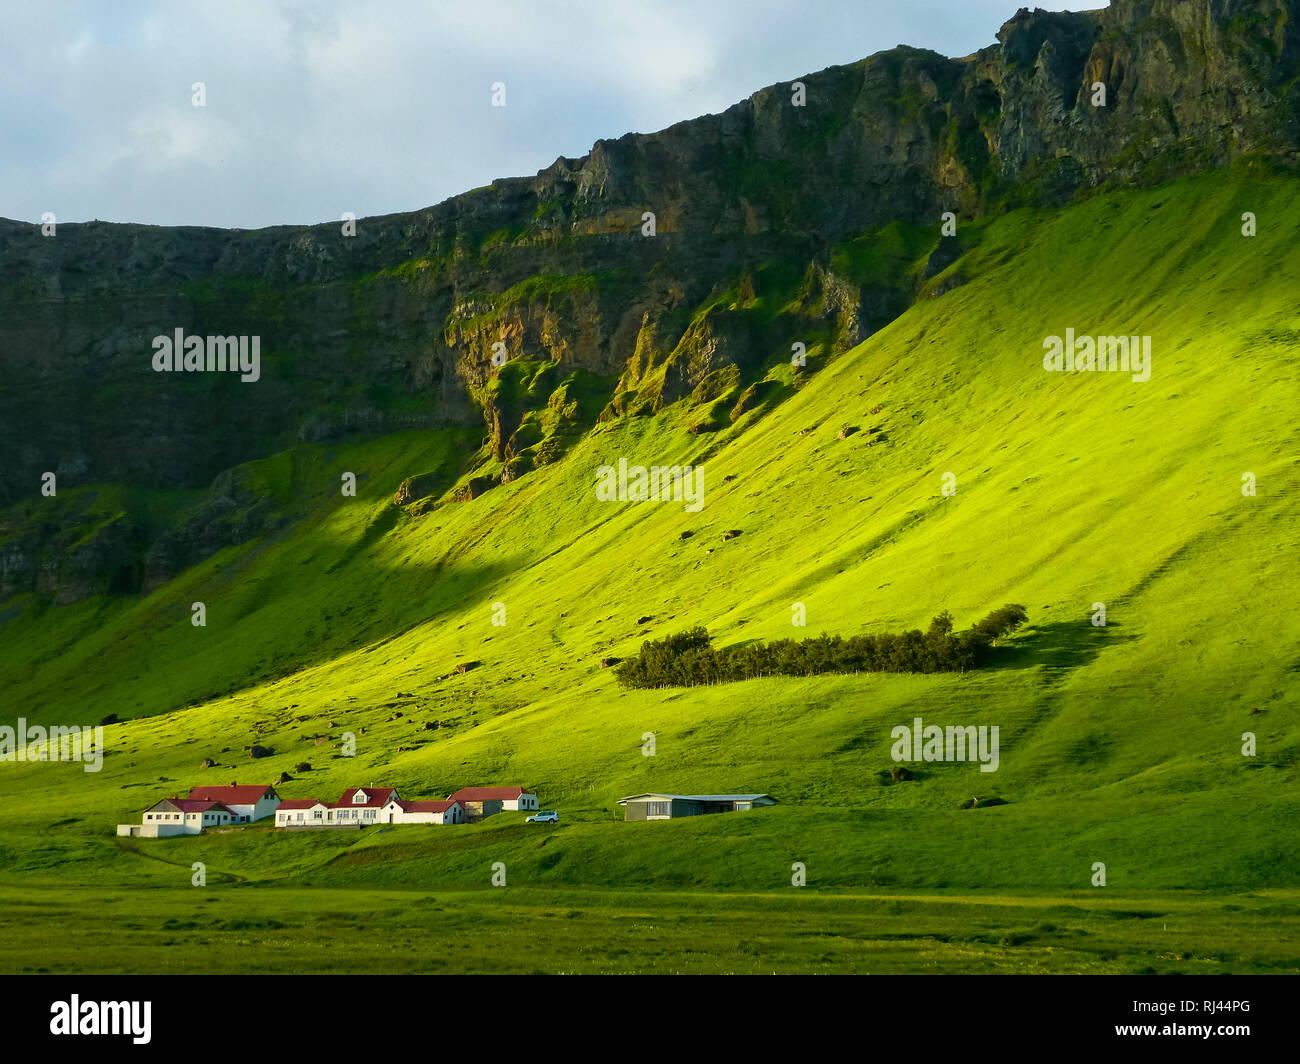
1119, 744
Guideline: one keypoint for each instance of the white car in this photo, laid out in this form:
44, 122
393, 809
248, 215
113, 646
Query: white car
550, 816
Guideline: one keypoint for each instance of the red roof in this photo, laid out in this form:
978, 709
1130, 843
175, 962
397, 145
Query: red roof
375, 796
248, 794
426, 807
489, 794
193, 805
300, 803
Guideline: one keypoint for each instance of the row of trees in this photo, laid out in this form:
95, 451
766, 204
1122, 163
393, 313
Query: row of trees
689, 658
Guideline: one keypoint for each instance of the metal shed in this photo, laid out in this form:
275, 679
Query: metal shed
671, 806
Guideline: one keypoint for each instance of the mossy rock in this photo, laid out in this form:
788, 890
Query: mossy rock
516, 468
474, 487
716, 384
420, 486
758, 394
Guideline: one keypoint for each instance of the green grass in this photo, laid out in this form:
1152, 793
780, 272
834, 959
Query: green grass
1118, 744
224, 928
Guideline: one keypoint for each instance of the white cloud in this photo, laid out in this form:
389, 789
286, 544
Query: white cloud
319, 107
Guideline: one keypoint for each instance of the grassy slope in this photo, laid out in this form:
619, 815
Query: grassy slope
1119, 744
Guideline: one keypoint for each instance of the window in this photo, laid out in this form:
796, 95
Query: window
658, 808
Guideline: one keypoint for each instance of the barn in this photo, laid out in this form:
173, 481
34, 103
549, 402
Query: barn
484, 801
249, 801
672, 806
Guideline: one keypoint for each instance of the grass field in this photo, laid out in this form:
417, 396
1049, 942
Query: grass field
515, 930
1119, 744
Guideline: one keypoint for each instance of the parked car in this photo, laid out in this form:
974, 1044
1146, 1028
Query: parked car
549, 816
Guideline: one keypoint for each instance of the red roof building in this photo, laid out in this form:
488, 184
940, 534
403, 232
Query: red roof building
362, 797
180, 816
484, 801
489, 794
247, 794
192, 805
251, 801
426, 807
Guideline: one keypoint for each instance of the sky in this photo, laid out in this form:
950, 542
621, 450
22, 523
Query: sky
316, 108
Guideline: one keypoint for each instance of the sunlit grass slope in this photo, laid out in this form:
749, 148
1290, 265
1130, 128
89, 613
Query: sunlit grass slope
1120, 744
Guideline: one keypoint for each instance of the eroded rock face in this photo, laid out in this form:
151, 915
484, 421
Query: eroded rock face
555, 267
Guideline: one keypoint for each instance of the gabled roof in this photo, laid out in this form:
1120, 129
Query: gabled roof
696, 797
233, 793
427, 807
375, 796
300, 803
488, 794
191, 805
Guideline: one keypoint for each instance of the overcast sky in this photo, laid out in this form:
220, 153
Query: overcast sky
321, 107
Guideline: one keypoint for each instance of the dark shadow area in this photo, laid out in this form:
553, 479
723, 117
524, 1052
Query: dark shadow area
1063, 645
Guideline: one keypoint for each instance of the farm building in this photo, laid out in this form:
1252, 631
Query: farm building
303, 813
357, 807
361, 805
671, 806
249, 802
484, 801
398, 812
179, 816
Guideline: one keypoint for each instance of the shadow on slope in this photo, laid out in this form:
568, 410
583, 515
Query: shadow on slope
1058, 646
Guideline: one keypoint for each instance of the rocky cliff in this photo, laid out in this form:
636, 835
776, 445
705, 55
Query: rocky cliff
828, 205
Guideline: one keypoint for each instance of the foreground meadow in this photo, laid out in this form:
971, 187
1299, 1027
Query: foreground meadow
286, 930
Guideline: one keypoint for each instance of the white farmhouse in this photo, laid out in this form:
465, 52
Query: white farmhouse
179, 816
398, 812
360, 805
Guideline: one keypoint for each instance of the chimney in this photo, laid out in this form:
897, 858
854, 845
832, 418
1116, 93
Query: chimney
233, 783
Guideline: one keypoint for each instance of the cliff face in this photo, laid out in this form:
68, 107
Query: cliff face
394, 328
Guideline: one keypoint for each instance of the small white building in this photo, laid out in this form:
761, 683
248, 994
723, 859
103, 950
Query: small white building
414, 812
248, 802
303, 813
179, 816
